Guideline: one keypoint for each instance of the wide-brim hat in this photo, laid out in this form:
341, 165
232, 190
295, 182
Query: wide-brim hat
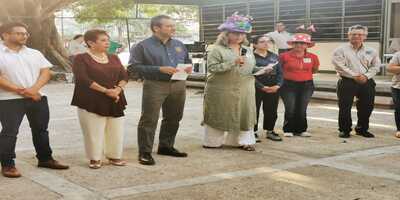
237, 23
301, 37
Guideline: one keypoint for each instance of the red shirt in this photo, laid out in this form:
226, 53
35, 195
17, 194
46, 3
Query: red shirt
298, 68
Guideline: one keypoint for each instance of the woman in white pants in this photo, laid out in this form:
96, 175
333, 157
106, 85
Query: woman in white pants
229, 103
99, 82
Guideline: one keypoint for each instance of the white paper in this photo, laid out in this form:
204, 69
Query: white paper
265, 70
181, 74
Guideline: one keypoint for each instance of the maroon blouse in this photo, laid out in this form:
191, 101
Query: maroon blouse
86, 71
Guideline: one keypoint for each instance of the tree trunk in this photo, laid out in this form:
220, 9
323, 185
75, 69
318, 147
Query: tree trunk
47, 40
39, 16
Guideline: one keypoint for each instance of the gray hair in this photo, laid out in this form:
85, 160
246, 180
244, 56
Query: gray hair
358, 27
222, 39
156, 21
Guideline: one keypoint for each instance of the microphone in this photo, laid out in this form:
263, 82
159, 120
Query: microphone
243, 52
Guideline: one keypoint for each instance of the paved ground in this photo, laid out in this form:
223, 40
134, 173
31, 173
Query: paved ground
322, 167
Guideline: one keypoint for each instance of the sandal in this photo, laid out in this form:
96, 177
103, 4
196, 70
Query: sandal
397, 134
95, 164
117, 162
248, 148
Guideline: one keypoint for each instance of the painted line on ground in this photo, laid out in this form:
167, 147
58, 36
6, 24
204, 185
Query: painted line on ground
354, 123
67, 189
353, 110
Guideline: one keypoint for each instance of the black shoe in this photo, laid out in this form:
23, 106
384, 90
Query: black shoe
365, 134
257, 138
146, 159
52, 164
273, 136
344, 134
170, 152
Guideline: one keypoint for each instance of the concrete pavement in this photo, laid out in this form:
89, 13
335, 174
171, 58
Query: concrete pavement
322, 167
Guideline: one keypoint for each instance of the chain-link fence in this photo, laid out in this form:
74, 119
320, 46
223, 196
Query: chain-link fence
125, 31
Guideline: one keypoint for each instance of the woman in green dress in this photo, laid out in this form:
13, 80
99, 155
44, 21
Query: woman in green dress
229, 104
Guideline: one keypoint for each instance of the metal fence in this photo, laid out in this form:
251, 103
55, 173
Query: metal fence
126, 31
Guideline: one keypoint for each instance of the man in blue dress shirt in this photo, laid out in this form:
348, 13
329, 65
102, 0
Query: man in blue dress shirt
156, 59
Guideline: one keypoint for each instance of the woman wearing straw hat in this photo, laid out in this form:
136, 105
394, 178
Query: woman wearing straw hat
229, 104
298, 67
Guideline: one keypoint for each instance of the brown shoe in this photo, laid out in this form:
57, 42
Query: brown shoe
10, 172
52, 164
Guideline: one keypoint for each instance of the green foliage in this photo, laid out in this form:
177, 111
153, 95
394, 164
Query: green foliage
113, 13
102, 11
175, 11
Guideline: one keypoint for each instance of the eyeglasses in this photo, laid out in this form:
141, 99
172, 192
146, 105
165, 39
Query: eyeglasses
21, 34
357, 34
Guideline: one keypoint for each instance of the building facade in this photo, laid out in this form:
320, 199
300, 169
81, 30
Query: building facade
331, 18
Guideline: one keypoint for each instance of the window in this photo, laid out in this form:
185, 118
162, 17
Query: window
330, 17
263, 14
394, 19
292, 13
326, 15
212, 17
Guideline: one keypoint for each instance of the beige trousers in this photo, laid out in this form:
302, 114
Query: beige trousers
102, 135
216, 138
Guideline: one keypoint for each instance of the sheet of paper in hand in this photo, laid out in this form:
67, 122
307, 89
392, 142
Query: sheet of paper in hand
265, 70
181, 74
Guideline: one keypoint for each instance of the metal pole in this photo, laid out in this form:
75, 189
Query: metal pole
62, 24
342, 21
127, 33
201, 24
136, 10
308, 11
277, 17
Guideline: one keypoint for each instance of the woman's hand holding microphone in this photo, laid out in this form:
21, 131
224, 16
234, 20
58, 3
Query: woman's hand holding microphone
241, 58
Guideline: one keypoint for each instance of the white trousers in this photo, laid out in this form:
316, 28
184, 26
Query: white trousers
216, 138
102, 135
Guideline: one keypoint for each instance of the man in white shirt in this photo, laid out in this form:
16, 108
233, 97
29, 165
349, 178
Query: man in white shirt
394, 67
356, 65
280, 37
23, 72
394, 46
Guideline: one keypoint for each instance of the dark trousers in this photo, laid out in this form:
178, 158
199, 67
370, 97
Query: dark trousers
396, 101
347, 89
296, 96
269, 103
11, 114
170, 98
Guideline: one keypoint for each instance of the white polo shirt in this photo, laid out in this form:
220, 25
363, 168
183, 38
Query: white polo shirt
21, 68
349, 62
280, 39
396, 78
